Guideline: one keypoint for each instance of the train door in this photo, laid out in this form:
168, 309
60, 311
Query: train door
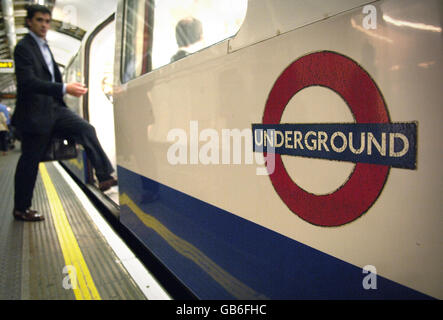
99, 68
73, 73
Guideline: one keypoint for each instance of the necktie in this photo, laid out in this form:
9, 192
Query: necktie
48, 59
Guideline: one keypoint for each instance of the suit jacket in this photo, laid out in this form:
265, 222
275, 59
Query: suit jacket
179, 55
37, 95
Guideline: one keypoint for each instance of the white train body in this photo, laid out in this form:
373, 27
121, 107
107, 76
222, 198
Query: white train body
330, 215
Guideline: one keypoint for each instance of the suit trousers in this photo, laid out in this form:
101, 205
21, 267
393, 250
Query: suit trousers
4, 141
66, 124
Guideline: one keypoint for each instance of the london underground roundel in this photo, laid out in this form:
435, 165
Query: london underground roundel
373, 142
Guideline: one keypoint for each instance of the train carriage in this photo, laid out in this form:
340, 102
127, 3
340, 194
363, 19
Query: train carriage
275, 149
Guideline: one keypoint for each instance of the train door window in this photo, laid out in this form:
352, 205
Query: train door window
73, 74
160, 32
100, 102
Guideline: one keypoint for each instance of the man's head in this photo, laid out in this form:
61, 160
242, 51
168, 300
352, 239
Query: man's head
188, 31
38, 19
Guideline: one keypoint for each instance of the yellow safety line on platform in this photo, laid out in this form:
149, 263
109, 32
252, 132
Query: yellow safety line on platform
82, 283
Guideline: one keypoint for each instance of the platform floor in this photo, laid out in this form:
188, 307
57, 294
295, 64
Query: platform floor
64, 257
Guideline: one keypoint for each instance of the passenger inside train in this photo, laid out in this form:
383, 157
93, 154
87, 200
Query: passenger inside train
189, 33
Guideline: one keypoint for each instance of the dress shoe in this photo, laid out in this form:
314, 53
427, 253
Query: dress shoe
107, 184
28, 215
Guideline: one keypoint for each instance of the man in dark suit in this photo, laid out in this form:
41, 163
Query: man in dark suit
41, 113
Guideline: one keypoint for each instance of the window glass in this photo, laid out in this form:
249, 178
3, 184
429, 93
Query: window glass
73, 73
158, 32
100, 91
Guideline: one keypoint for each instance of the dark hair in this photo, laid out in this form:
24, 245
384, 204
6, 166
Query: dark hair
188, 31
32, 9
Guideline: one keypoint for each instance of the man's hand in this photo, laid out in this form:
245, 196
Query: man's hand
76, 89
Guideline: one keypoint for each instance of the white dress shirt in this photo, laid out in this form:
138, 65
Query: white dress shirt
44, 48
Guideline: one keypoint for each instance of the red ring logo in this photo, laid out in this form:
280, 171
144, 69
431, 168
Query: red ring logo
355, 86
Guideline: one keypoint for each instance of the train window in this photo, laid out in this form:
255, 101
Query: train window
157, 33
73, 73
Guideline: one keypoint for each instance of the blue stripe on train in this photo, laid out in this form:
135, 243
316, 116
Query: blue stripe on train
219, 255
